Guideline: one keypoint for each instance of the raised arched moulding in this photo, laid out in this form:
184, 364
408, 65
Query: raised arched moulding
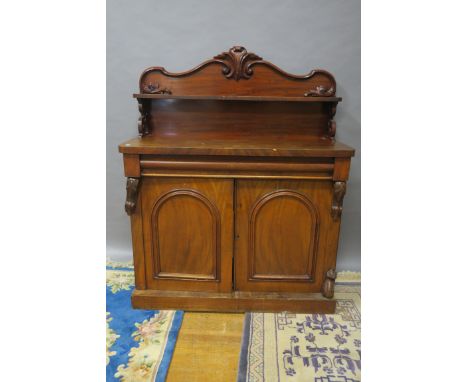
265, 237
237, 72
177, 254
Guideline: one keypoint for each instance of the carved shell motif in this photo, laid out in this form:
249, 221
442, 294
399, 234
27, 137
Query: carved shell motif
237, 63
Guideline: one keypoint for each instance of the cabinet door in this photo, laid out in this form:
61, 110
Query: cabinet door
187, 232
285, 236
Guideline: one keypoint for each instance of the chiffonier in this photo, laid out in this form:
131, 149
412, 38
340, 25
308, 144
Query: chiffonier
235, 187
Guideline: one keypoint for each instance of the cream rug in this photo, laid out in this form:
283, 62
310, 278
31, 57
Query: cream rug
306, 347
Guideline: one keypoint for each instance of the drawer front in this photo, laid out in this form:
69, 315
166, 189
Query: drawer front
236, 167
187, 233
285, 238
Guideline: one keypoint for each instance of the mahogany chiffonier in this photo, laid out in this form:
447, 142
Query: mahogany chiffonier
235, 188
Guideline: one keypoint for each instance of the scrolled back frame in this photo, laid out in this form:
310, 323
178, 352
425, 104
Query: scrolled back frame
237, 72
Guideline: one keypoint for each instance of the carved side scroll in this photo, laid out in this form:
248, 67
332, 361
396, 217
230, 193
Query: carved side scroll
132, 195
339, 190
155, 89
328, 285
320, 91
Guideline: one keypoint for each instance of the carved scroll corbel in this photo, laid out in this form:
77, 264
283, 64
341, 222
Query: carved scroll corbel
143, 108
328, 285
331, 122
132, 195
339, 190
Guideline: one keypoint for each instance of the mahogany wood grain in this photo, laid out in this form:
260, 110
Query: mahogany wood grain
341, 169
235, 175
240, 73
233, 301
131, 165
265, 82
168, 164
138, 246
238, 98
166, 116
237, 167
281, 241
235, 187
236, 144
187, 230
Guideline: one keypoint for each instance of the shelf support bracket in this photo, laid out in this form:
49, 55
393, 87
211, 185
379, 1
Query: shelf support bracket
332, 123
328, 285
143, 108
339, 190
132, 195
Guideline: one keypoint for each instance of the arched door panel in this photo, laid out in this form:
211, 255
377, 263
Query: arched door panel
281, 235
187, 229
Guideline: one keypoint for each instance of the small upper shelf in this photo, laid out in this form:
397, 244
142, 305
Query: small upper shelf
237, 92
239, 98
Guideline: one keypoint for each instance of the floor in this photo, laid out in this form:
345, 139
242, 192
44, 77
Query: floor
207, 348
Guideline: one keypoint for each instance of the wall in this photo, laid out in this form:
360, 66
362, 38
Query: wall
295, 35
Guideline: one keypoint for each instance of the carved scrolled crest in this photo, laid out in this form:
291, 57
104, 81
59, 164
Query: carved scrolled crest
241, 66
237, 63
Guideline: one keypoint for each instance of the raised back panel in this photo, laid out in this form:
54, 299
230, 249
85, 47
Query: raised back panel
171, 116
240, 73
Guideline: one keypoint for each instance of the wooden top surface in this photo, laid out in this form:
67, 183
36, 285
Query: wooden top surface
237, 143
237, 104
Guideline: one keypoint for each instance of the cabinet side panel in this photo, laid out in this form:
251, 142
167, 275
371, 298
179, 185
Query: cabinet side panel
138, 247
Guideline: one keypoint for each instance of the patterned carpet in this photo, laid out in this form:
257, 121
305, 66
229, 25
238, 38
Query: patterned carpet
275, 347
139, 343
304, 347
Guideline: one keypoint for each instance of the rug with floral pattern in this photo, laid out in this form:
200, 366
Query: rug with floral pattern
139, 343
305, 347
